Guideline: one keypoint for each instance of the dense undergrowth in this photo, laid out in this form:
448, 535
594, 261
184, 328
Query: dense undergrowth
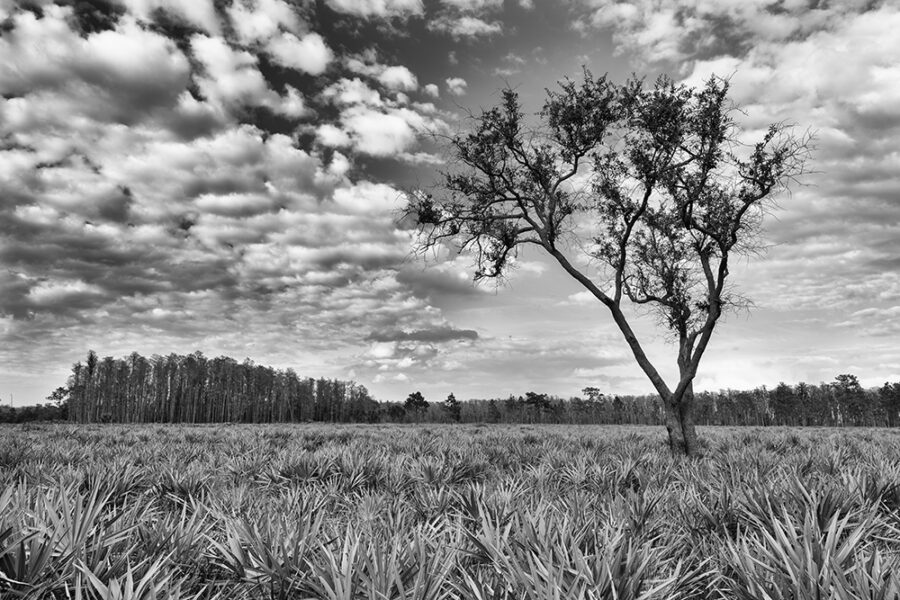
419, 512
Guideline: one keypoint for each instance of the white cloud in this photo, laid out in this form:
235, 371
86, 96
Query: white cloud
332, 136
456, 85
380, 134
262, 20
233, 77
393, 377
377, 8
583, 298
677, 30
309, 54
465, 26
369, 198
432, 90
115, 74
398, 78
48, 293
352, 91
292, 105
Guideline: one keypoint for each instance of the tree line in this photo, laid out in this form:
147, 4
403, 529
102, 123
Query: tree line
841, 403
195, 389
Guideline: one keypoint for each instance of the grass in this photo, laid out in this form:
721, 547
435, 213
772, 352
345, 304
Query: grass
439, 512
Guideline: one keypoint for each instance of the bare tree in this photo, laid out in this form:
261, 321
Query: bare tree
652, 187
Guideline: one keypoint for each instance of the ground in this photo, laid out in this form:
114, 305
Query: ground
438, 511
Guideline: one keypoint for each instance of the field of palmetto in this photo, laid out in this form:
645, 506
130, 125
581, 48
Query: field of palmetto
431, 512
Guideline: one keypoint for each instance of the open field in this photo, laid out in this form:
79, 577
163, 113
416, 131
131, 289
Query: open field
432, 512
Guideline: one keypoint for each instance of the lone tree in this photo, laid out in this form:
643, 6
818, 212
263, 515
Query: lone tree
649, 183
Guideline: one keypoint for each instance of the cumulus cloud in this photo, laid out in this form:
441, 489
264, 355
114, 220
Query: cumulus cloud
352, 91
456, 85
232, 75
378, 134
309, 54
398, 78
117, 74
262, 20
332, 136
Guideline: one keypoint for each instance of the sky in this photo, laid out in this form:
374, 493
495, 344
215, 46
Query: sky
226, 176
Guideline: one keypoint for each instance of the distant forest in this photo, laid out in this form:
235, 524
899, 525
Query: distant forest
195, 389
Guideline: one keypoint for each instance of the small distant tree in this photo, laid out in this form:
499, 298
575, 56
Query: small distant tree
416, 403
666, 196
452, 407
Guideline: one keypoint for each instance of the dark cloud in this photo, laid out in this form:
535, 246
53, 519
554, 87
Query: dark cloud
435, 283
435, 335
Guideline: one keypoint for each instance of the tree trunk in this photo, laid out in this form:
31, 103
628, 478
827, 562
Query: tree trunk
680, 424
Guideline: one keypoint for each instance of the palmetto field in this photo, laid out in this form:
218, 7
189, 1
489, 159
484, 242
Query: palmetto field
432, 512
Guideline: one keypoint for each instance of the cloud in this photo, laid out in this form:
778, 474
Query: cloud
367, 198
398, 78
309, 54
377, 133
332, 136
838, 237
435, 335
262, 20
875, 321
584, 298
352, 91
233, 78
456, 85
114, 75
197, 13
387, 131
465, 26
474, 5
432, 90
677, 30
378, 8
393, 377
